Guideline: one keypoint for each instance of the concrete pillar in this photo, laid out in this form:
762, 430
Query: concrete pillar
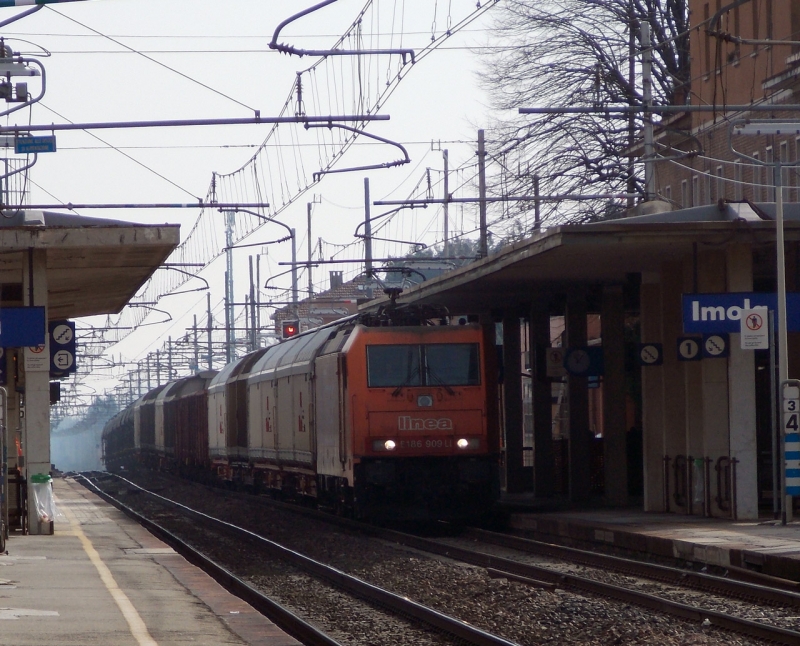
712, 277
615, 431
652, 396
674, 385
793, 285
512, 402
579, 434
491, 369
742, 394
36, 423
542, 403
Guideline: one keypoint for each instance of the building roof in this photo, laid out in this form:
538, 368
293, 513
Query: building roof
332, 302
94, 265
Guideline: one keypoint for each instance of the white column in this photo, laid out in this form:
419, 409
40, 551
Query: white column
742, 395
36, 423
716, 422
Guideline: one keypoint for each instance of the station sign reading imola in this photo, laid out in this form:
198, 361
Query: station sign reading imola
715, 313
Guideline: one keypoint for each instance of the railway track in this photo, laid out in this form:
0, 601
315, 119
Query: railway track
453, 629
540, 575
770, 590
751, 586
510, 568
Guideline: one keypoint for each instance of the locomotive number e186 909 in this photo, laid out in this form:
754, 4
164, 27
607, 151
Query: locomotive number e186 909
427, 443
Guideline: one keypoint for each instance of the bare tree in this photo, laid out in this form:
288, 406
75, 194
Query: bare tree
558, 53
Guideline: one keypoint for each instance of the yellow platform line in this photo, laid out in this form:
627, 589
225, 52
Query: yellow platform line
137, 626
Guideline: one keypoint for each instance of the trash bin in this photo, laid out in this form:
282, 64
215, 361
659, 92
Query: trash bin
42, 488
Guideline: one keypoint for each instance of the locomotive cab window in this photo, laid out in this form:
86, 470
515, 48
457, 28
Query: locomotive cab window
393, 365
400, 366
452, 364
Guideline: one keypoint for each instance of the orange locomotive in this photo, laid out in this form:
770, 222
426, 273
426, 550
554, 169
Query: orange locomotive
413, 436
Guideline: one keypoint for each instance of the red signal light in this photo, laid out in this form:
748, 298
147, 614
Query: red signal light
289, 329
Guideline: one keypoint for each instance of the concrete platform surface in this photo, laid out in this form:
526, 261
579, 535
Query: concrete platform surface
766, 545
103, 579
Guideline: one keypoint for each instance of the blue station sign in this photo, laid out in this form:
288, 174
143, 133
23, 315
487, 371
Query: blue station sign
22, 326
718, 313
39, 144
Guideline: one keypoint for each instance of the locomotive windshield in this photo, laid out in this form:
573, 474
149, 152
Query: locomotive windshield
445, 364
393, 365
452, 364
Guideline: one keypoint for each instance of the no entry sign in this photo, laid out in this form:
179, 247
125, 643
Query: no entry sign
754, 329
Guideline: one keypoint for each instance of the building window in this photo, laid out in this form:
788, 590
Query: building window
757, 178
769, 180
795, 181
738, 193
695, 190
668, 193
785, 175
770, 34
754, 6
684, 194
706, 41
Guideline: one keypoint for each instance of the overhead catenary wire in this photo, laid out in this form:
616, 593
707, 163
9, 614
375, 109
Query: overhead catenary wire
152, 60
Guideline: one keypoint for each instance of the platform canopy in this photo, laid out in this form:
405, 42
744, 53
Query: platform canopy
94, 265
582, 255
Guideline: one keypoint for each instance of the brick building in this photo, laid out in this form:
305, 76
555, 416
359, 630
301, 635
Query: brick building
342, 299
735, 61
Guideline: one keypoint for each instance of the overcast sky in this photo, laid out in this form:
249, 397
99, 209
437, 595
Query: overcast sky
222, 67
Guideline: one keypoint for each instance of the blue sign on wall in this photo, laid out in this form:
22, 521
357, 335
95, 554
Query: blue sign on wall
22, 326
717, 313
62, 348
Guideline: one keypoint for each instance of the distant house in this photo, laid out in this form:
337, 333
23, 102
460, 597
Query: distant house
342, 299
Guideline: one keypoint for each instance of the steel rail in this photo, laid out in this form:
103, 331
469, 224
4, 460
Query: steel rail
353, 585
675, 576
737, 583
607, 590
285, 619
543, 577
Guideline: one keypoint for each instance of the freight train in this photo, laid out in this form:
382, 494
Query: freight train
372, 421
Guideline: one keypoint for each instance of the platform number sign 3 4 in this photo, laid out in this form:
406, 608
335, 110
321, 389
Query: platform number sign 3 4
791, 409
791, 439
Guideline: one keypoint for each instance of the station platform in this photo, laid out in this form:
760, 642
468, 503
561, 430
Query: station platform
764, 546
103, 579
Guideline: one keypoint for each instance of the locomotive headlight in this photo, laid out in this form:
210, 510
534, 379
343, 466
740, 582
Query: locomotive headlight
463, 443
384, 445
